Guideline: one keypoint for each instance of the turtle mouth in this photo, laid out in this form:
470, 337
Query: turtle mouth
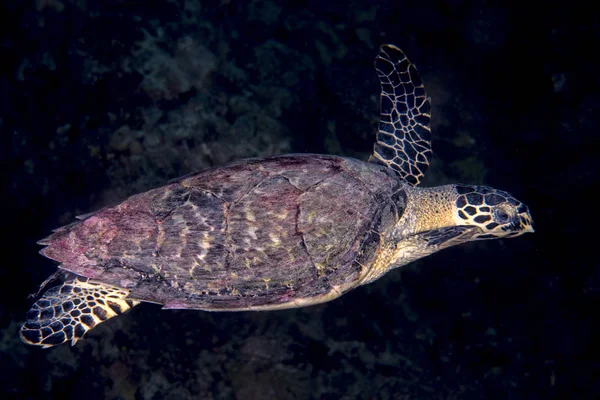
520, 227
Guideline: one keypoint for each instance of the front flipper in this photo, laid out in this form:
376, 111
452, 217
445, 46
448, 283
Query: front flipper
404, 137
67, 312
448, 236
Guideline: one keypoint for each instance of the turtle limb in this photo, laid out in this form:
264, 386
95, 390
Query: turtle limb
449, 236
417, 246
65, 313
404, 136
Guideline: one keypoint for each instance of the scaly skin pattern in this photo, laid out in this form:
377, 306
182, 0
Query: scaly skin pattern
274, 233
67, 312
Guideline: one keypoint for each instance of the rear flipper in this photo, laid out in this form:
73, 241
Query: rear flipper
67, 312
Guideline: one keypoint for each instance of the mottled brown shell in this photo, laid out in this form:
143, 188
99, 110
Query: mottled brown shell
257, 234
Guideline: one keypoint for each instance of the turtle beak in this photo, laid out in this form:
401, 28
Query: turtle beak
526, 223
523, 223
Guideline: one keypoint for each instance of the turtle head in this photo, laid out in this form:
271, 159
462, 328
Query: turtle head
496, 213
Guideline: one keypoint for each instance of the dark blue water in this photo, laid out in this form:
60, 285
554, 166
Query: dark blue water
101, 100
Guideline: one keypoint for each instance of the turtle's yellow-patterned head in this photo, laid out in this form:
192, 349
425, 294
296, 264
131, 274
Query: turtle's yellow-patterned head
496, 213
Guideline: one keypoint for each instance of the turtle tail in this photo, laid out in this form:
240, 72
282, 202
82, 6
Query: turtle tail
68, 311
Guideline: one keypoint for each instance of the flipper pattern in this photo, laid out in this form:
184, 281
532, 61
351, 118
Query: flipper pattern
65, 313
404, 136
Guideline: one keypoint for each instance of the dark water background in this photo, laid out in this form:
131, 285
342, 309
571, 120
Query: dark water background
103, 99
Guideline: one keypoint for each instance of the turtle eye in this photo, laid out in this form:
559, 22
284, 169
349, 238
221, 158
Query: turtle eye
502, 217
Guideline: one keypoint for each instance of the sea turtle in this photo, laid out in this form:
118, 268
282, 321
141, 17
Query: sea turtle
272, 233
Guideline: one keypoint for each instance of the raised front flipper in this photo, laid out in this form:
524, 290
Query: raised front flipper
404, 136
67, 312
